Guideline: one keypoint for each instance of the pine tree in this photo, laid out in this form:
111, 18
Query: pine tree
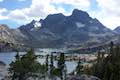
109, 67
111, 47
51, 66
61, 65
65, 72
17, 58
24, 66
47, 63
79, 68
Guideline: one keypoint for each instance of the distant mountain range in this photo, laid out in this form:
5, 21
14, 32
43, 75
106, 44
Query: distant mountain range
59, 31
117, 30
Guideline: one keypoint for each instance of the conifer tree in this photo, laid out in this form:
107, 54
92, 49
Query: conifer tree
111, 47
61, 65
51, 66
109, 68
79, 68
24, 66
47, 63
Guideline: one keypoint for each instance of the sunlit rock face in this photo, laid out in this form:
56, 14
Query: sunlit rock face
5, 34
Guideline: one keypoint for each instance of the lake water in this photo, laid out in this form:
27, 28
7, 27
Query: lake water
7, 58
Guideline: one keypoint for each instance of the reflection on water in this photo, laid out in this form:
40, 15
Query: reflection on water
7, 58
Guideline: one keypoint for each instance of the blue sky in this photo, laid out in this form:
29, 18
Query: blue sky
14, 4
18, 12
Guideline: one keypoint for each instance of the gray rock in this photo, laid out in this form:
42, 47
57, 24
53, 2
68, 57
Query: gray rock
3, 70
83, 77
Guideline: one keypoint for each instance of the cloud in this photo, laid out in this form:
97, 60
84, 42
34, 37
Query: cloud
41, 8
21, 0
3, 11
110, 6
17, 14
81, 4
109, 13
1, 0
38, 9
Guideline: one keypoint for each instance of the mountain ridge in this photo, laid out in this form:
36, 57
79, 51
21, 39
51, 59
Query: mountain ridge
57, 30
117, 30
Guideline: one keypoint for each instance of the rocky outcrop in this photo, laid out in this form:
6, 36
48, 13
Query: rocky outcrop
3, 70
83, 77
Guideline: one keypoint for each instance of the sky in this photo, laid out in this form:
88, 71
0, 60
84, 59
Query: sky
15, 13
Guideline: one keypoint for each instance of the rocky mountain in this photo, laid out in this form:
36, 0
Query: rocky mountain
76, 30
11, 39
8, 35
5, 34
57, 30
117, 30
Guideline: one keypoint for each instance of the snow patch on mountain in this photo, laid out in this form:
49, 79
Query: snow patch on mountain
37, 24
80, 25
91, 21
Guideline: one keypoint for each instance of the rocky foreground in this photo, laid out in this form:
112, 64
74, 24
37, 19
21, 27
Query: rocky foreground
82, 77
3, 70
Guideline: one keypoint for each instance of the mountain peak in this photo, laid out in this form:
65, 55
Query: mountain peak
79, 13
52, 16
33, 21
